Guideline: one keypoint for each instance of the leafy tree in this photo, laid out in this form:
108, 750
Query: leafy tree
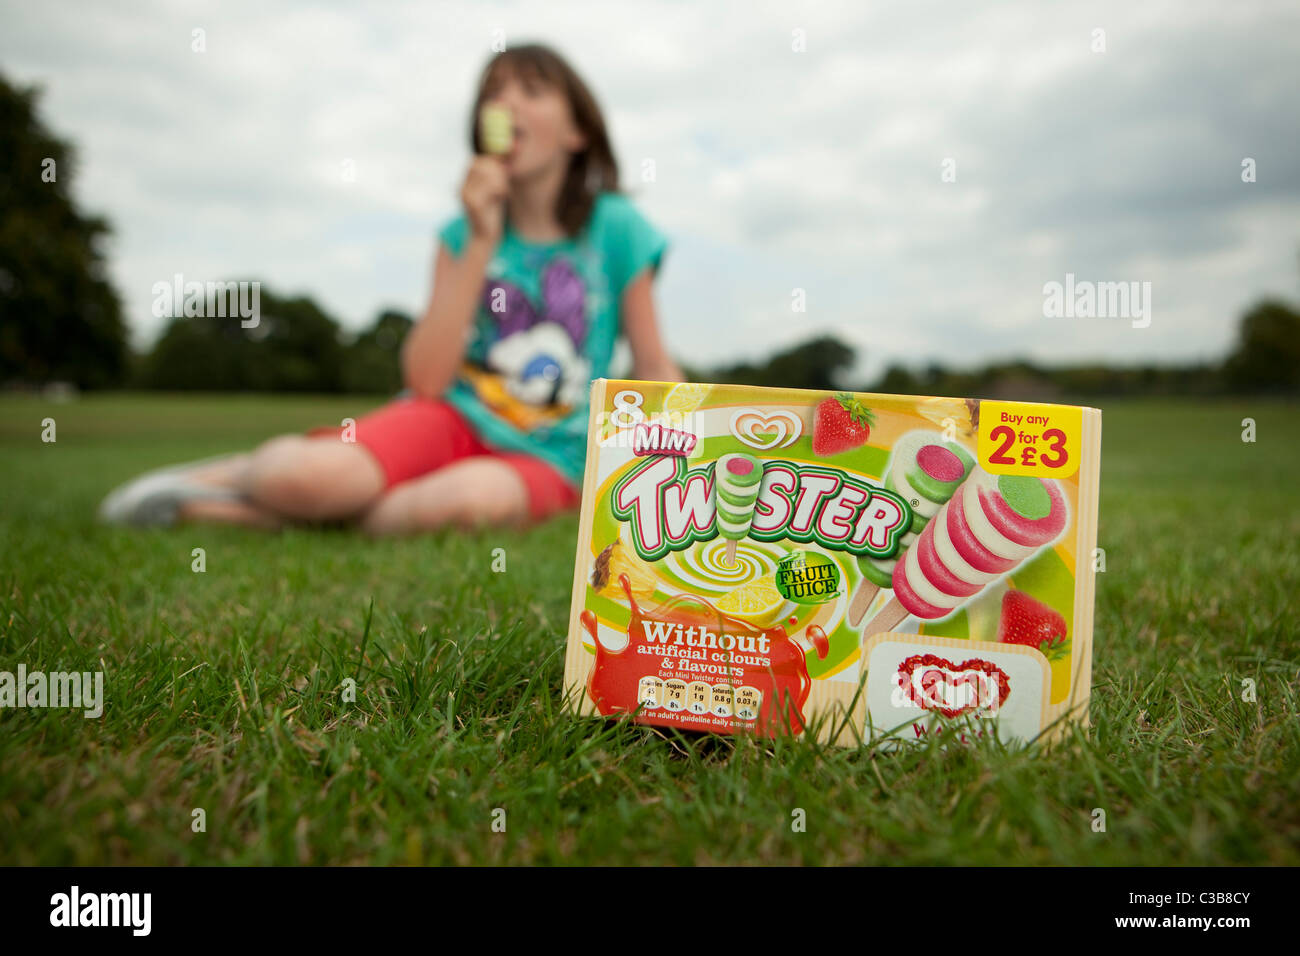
816, 364
897, 380
294, 347
60, 319
372, 363
1267, 354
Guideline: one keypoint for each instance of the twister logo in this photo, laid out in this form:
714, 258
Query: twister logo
669, 507
933, 683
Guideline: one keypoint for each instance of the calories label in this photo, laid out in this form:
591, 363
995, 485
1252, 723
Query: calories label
1040, 440
700, 697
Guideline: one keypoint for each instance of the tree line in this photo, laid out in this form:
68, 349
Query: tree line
62, 321
1265, 358
295, 346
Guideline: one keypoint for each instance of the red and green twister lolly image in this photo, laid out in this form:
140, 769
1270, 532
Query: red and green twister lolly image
926, 475
989, 527
736, 478
840, 424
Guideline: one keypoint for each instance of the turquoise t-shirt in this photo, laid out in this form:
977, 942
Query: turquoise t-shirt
546, 325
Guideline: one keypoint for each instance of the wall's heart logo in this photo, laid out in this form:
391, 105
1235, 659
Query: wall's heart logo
933, 683
766, 430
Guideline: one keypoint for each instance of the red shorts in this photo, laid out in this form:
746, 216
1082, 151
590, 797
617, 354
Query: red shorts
411, 437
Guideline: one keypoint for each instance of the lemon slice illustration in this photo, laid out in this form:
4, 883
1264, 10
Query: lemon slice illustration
685, 398
962, 413
680, 403
757, 601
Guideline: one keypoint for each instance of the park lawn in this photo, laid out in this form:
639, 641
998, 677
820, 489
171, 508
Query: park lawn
223, 688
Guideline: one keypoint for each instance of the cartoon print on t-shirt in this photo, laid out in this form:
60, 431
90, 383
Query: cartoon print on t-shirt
535, 371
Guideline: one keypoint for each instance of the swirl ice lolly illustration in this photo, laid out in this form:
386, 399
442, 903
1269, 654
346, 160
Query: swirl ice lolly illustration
927, 475
496, 129
737, 478
990, 526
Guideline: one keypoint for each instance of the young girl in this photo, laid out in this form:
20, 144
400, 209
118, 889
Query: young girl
532, 284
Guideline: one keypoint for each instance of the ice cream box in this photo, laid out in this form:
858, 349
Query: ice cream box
850, 566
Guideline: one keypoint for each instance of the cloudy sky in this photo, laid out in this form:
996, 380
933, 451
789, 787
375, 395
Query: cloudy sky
793, 147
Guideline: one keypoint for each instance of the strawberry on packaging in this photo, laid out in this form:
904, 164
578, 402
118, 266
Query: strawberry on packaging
841, 424
1030, 622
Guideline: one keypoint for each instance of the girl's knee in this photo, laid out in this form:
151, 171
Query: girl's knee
495, 496
279, 480
464, 497
389, 515
506, 506
314, 481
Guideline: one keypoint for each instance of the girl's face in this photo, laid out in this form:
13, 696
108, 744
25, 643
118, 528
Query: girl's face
545, 134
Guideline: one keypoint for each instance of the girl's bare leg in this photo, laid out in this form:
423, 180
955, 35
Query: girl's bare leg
291, 478
230, 512
229, 472
472, 492
313, 479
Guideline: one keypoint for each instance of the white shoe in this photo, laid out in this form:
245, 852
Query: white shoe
154, 499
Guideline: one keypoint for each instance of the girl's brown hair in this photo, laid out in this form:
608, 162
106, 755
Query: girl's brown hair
591, 171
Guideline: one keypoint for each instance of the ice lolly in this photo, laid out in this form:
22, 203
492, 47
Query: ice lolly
496, 129
737, 478
990, 526
926, 476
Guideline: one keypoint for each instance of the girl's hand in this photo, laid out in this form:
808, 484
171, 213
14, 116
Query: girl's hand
484, 195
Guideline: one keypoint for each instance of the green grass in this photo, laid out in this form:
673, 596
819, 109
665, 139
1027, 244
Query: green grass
223, 688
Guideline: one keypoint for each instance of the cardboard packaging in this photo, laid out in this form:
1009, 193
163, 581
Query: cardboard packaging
853, 566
